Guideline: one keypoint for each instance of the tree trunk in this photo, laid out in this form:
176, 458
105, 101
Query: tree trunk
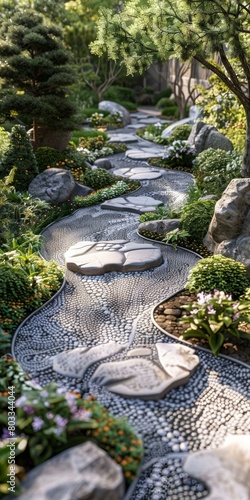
35, 131
246, 156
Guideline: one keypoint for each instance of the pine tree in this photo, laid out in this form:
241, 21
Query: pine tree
35, 69
20, 155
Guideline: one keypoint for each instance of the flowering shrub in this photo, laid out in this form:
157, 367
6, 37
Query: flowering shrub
50, 420
180, 153
96, 119
215, 317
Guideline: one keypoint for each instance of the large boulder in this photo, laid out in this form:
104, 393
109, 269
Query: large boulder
229, 230
203, 136
225, 470
84, 472
113, 107
54, 185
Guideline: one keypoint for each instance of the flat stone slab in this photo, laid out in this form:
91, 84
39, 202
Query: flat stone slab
122, 138
142, 154
94, 258
135, 126
140, 351
152, 120
75, 362
144, 379
138, 173
225, 470
81, 472
136, 204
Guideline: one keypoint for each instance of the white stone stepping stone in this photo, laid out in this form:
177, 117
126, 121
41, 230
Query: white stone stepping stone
177, 355
225, 470
123, 138
152, 120
142, 378
75, 362
139, 351
143, 154
136, 204
94, 258
138, 173
135, 126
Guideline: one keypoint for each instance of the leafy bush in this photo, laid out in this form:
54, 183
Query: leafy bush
176, 237
179, 154
196, 218
218, 273
180, 133
35, 281
99, 178
215, 318
88, 112
46, 157
166, 102
171, 112
153, 133
77, 135
130, 106
92, 143
164, 93
223, 110
4, 141
160, 213
20, 155
117, 94
215, 168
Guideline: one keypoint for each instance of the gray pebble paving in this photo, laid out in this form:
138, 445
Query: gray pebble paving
93, 310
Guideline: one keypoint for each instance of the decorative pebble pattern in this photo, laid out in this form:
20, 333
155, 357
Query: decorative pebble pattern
93, 310
136, 204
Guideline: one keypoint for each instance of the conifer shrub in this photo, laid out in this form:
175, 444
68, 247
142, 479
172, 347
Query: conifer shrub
20, 155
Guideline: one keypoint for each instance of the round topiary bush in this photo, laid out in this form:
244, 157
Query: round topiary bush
196, 218
218, 273
181, 133
166, 102
97, 179
171, 112
14, 283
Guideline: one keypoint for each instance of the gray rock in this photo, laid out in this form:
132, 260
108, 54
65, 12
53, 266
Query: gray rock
139, 351
54, 185
229, 230
113, 107
143, 378
80, 190
205, 136
135, 204
84, 472
226, 470
95, 258
103, 163
75, 362
160, 226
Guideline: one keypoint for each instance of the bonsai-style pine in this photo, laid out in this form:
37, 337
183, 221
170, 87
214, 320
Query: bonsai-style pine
35, 69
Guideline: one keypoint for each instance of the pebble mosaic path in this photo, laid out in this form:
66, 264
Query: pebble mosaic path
116, 308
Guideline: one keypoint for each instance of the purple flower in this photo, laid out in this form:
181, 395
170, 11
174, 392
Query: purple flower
6, 434
37, 424
29, 409
61, 390
83, 414
49, 415
21, 401
60, 421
